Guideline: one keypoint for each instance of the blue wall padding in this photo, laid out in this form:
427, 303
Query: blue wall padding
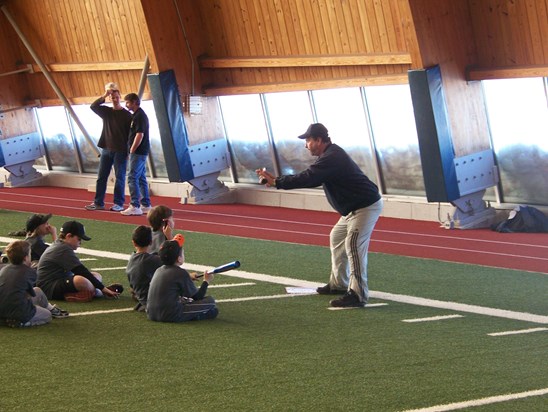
434, 133
173, 132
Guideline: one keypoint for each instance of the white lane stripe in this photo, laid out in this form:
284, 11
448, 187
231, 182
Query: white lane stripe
101, 312
186, 212
232, 285
432, 318
370, 305
482, 401
411, 300
103, 269
461, 307
517, 332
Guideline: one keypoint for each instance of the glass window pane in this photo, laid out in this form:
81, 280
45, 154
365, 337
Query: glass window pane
289, 115
246, 131
518, 118
93, 125
57, 138
342, 112
396, 141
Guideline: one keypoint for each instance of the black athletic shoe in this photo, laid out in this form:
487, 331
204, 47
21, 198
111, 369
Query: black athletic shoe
326, 290
349, 300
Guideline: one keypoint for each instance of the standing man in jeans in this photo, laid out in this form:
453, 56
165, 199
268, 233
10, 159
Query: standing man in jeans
139, 146
113, 142
358, 201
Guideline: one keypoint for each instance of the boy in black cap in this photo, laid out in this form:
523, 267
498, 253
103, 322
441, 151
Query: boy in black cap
172, 297
22, 304
61, 275
37, 227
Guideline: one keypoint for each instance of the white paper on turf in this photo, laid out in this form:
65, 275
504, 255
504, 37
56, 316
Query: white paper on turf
300, 291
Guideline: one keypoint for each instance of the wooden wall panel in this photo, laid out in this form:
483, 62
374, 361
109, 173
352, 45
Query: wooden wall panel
445, 36
78, 32
301, 28
510, 32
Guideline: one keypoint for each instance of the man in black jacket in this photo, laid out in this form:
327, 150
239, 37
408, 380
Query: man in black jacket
358, 201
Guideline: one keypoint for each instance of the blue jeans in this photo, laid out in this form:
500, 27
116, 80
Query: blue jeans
107, 160
137, 180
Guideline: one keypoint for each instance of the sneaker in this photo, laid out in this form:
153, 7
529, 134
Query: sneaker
81, 296
116, 287
58, 313
140, 308
116, 208
146, 209
132, 211
94, 206
327, 290
349, 300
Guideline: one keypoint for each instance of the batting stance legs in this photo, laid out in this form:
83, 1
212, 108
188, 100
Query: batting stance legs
349, 242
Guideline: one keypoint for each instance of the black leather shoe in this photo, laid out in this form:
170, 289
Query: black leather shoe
349, 300
326, 290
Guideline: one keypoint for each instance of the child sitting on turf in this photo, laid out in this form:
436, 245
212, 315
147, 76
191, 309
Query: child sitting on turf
21, 304
160, 219
141, 266
61, 274
37, 227
172, 296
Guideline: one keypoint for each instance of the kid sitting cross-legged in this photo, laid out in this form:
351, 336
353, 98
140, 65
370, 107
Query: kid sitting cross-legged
141, 266
172, 296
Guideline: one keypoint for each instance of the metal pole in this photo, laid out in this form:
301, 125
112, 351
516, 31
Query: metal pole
50, 79
143, 80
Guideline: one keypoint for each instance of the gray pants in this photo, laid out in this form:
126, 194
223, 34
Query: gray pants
42, 315
349, 242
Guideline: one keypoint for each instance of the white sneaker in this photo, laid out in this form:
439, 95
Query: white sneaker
146, 209
132, 211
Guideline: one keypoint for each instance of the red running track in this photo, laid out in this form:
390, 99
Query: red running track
522, 251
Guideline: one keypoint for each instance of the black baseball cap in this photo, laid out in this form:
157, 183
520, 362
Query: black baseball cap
36, 220
75, 228
315, 130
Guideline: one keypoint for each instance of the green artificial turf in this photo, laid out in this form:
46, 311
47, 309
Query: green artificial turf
284, 354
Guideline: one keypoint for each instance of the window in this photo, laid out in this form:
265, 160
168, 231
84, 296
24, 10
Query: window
246, 131
518, 119
396, 141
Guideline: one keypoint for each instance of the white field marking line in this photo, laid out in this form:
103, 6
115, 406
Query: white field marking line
246, 299
103, 269
87, 259
432, 318
517, 332
185, 211
370, 305
411, 300
482, 401
461, 307
232, 285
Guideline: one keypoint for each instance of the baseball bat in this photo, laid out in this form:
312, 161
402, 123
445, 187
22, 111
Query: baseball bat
224, 268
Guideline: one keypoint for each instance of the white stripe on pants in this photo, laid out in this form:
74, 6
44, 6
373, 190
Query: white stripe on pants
349, 242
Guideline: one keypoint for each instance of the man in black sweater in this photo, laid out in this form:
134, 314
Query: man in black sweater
358, 201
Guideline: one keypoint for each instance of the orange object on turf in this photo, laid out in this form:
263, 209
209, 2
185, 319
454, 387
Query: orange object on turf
180, 239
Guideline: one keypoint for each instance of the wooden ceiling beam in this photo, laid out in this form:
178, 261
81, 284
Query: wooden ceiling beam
375, 80
305, 61
92, 67
508, 72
